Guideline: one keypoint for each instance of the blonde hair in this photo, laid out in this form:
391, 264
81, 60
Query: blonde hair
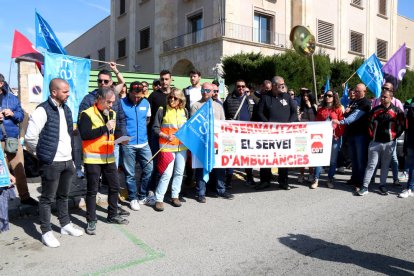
178, 93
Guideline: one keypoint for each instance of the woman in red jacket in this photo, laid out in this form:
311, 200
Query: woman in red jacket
330, 109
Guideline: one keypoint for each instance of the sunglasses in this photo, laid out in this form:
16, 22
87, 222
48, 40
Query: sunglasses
206, 90
328, 95
173, 98
103, 81
215, 91
135, 86
291, 94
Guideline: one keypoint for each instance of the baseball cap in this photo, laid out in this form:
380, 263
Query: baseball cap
136, 86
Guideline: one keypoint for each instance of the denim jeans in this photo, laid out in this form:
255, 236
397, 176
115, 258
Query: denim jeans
176, 170
93, 172
56, 182
132, 155
378, 151
410, 161
201, 184
336, 147
394, 165
358, 147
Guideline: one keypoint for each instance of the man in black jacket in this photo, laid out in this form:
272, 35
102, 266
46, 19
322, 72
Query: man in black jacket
279, 107
239, 106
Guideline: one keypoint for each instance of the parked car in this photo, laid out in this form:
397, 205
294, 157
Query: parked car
400, 151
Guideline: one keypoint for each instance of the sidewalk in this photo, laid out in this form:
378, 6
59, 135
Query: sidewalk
76, 196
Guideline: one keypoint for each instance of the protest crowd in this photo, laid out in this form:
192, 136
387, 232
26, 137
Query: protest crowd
120, 126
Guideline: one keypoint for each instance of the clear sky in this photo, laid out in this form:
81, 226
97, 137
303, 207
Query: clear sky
68, 19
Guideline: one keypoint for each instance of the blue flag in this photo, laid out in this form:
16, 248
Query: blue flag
46, 38
4, 173
344, 99
327, 85
198, 136
371, 75
75, 71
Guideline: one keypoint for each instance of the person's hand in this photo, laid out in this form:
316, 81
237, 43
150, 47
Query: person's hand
75, 132
335, 122
7, 112
1, 116
113, 66
110, 124
12, 179
171, 137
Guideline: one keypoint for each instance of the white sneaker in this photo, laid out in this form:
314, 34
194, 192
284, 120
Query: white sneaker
406, 193
403, 176
149, 200
49, 240
80, 174
69, 229
134, 205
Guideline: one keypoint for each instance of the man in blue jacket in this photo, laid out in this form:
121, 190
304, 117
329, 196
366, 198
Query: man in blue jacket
11, 115
138, 113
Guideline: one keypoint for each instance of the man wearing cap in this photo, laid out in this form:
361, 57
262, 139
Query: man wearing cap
137, 113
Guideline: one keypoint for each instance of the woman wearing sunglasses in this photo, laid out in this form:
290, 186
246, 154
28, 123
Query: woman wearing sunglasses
173, 154
330, 109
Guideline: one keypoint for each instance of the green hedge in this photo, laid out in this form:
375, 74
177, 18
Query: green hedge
297, 71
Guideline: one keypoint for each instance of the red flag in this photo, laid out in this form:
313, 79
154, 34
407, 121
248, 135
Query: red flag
24, 49
164, 159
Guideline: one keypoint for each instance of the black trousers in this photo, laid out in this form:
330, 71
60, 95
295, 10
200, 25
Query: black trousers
266, 175
56, 182
93, 172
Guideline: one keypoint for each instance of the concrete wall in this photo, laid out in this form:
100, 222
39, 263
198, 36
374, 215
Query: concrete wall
90, 42
405, 31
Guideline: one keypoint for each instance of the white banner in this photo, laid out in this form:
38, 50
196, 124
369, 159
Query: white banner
35, 86
264, 145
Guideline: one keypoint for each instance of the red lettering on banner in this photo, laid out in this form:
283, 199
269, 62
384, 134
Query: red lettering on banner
263, 128
279, 161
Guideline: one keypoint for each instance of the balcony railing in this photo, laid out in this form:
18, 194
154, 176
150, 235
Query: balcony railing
230, 30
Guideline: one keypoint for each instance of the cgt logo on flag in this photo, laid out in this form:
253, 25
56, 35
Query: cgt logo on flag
316, 143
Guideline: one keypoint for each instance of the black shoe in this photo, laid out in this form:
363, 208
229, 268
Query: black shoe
383, 190
262, 186
201, 199
397, 183
91, 227
30, 201
284, 186
226, 195
123, 212
117, 220
250, 182
182, 199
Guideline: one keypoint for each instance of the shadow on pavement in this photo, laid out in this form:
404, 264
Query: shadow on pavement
333, 252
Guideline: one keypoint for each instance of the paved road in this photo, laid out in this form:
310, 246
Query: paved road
272, 232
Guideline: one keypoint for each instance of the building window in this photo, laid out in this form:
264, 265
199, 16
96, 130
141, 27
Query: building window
122, 48
407, 56
382, 46
382, 8
195, 24
356, 42
101, 56
325, 33
262, 28
121, 7
357, 2
144, 38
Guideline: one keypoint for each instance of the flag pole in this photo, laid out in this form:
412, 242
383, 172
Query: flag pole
107, 62
314, 78
349, 78
155, 155
8, 82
